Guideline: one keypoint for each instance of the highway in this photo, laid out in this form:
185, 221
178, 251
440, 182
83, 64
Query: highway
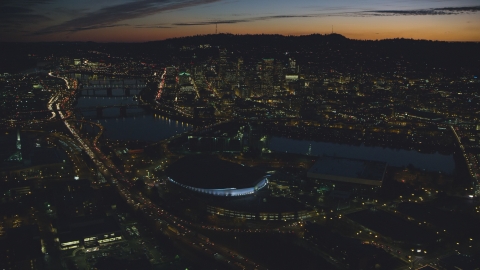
472, 164
184, 231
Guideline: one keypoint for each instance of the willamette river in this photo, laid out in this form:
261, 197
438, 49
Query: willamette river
138, 125
143, 126
394, 157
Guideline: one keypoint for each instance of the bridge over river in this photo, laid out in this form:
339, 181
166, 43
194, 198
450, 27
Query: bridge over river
107, 85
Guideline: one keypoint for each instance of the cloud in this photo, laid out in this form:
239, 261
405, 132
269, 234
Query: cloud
24, 2
468, 9
18, 17
111, 15
12, 11
151, 26
252, 19
213, 22
70, 12
433, 11
92, 27
430, 11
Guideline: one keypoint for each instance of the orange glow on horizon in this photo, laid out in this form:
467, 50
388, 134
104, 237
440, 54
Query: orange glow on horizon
371, 28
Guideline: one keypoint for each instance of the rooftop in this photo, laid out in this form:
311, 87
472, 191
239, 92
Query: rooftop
205, 171
44, 156
348, 168
259, 204
78, 228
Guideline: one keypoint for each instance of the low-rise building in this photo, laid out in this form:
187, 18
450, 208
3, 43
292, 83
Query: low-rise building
86, 232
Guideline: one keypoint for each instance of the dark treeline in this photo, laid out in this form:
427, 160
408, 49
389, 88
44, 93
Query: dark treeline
331, 50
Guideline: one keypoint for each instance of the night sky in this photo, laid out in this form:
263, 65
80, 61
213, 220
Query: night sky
145, 20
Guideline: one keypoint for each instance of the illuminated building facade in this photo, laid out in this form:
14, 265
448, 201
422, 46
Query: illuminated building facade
348, 174
86, 233
212, 176
226, 191
266, 216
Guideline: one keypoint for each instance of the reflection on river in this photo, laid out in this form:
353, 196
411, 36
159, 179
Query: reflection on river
394, 157
103, 100
138, 125
144, 128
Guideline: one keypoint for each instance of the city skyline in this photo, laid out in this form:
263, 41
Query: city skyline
146, 20
226, 151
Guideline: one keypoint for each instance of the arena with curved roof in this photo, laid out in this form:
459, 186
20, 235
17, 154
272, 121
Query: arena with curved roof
210, 175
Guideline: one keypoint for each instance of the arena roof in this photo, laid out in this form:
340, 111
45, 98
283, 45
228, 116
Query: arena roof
209, 172
357, 171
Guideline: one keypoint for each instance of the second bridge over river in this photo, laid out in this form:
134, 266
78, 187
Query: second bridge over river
99, 109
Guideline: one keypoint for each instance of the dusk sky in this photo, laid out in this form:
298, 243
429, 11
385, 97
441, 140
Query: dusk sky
145, 20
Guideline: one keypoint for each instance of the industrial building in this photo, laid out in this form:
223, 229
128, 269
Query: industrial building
348, 171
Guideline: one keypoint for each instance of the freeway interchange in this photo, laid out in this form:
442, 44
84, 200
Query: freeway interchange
182, 233
178, 230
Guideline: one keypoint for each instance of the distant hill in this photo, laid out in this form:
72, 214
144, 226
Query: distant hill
324, 49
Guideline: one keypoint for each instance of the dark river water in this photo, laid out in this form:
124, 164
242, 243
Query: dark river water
394, 157
139, 125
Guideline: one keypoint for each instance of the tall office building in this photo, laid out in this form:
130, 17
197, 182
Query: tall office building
184, 78
17, 156
293, 64
267, 76
222, 65
279, 76
240, 69
254, 85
